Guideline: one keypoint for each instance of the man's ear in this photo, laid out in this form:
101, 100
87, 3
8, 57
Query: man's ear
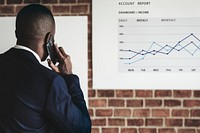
47, 37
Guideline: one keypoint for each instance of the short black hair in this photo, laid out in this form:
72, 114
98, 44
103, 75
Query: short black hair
34, 21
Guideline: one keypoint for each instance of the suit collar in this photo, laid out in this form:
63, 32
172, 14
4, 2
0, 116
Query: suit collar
21, 54
28, 49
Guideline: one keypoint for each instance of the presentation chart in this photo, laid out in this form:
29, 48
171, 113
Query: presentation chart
159, 44
146, 44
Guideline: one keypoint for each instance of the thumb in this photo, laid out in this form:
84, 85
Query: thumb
52, 66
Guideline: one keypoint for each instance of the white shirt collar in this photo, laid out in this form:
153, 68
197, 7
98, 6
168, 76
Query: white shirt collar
28, 49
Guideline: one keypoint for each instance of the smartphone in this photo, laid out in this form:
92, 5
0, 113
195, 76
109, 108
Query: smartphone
51, 50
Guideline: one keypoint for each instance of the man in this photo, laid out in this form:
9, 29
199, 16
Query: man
34, 99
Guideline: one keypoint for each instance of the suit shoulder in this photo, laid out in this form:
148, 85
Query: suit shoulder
46, 71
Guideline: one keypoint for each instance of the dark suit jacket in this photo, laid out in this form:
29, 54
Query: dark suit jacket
34, 99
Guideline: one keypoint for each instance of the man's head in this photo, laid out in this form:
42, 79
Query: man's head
34, 26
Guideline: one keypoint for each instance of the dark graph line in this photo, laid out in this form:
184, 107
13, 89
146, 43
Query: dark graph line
183, 44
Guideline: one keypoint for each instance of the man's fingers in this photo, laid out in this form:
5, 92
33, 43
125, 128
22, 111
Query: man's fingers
65, 65
52, 66
63, 52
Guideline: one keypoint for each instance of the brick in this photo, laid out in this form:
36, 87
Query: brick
191, 103
89, 83
31, 1
154, 122
67, 1
91, 112
160, 112
147, 130
122, 112
172, 103
134, 103
90, 38
105, 93
49, 1
99, 122
84, 1
195, 113
153, 103
104, 112
90, 32
128, 130
14, 1
124, 93
89, 65
80, 9
163, 93
6, 9
89, 70
182, 93
180, 113
61, 9
116, 102
144, 93
18, 8
135, 122
116, 122
91, 93
90, 11
141, 112
97, 103
110, 130
174, 122
196, 93
166, 130
95, 130
186, 130
192, 122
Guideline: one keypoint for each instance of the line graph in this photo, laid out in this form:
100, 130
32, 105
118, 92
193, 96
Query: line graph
166, 50
161, 46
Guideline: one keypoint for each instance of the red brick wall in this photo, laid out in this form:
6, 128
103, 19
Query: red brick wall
145, 111
125, 111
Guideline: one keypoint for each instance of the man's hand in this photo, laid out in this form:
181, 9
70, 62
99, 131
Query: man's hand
65, 65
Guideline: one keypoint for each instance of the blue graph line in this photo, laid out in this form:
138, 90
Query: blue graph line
165, 50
